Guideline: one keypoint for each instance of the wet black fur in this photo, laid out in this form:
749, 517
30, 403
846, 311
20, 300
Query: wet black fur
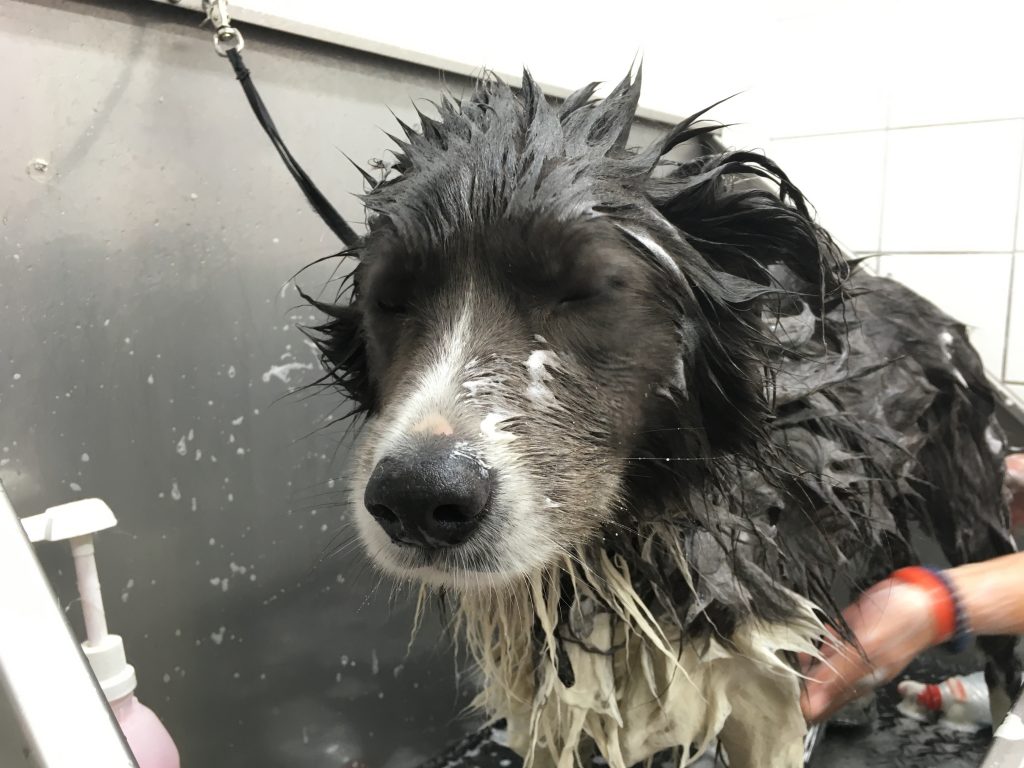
821, 414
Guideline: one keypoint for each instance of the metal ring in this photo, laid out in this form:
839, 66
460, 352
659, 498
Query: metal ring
226, 39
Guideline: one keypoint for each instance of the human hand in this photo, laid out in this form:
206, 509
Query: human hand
893, 623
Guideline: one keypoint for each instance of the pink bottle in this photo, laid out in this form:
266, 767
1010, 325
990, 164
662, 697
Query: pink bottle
78, 521
149, 740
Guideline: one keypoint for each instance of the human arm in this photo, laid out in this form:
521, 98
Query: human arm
895, 621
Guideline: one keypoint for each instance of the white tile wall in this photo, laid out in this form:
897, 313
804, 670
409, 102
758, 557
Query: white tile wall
1015, 338
952, 187
822, 72
949, 62
972, 288
903, 123
1020, 212
841, 175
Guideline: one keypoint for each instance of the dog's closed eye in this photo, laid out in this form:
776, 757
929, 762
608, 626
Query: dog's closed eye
393, 295
392, 306
579, 296
590, 290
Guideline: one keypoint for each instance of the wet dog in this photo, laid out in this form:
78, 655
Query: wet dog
641, 420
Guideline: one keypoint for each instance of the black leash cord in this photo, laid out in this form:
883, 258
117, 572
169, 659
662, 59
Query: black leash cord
316, 198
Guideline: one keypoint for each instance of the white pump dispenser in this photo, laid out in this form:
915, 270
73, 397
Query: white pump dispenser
77, 522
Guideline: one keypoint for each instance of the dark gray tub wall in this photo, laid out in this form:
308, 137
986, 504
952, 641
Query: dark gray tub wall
145, 343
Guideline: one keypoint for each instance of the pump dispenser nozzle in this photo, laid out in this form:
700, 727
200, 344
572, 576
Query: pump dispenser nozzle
77, 522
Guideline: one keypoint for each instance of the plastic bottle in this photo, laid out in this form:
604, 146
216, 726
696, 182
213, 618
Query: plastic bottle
146, 735
961, 702
78, 521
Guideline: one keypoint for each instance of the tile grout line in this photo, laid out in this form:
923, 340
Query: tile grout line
881, 206
1013, 263
907, 252
888, 128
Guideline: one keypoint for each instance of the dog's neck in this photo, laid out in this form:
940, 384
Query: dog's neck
574, 659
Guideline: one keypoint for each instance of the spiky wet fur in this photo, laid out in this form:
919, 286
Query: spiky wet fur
795, 417
605, 673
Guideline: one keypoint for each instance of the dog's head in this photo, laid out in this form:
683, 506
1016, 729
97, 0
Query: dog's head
548, 335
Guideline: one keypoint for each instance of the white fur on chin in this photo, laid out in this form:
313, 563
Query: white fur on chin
650, 690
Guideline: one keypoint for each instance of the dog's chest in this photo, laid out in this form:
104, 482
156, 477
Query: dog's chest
635, 685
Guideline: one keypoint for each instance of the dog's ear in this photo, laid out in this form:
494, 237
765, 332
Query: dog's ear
342, 345
729, 388
748, 223
744, 216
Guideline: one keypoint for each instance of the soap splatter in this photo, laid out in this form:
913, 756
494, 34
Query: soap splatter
538, 363
175, 491
74, 487
182, 446
284, 372
218, 636
489, 427
85, 458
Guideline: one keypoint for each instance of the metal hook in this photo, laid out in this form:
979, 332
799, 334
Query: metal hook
226, 37
217, 12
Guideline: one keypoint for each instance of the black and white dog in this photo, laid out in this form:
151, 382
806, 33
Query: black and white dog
641, 421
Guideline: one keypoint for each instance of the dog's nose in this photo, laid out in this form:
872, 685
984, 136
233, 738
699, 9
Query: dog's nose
431, 494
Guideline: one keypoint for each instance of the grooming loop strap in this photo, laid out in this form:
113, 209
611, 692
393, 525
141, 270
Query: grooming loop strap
945, 603
228, 42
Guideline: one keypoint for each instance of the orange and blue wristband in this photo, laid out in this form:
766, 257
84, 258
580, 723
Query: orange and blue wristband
947, 607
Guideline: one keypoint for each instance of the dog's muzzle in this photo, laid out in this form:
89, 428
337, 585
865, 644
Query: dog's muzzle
431, 492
